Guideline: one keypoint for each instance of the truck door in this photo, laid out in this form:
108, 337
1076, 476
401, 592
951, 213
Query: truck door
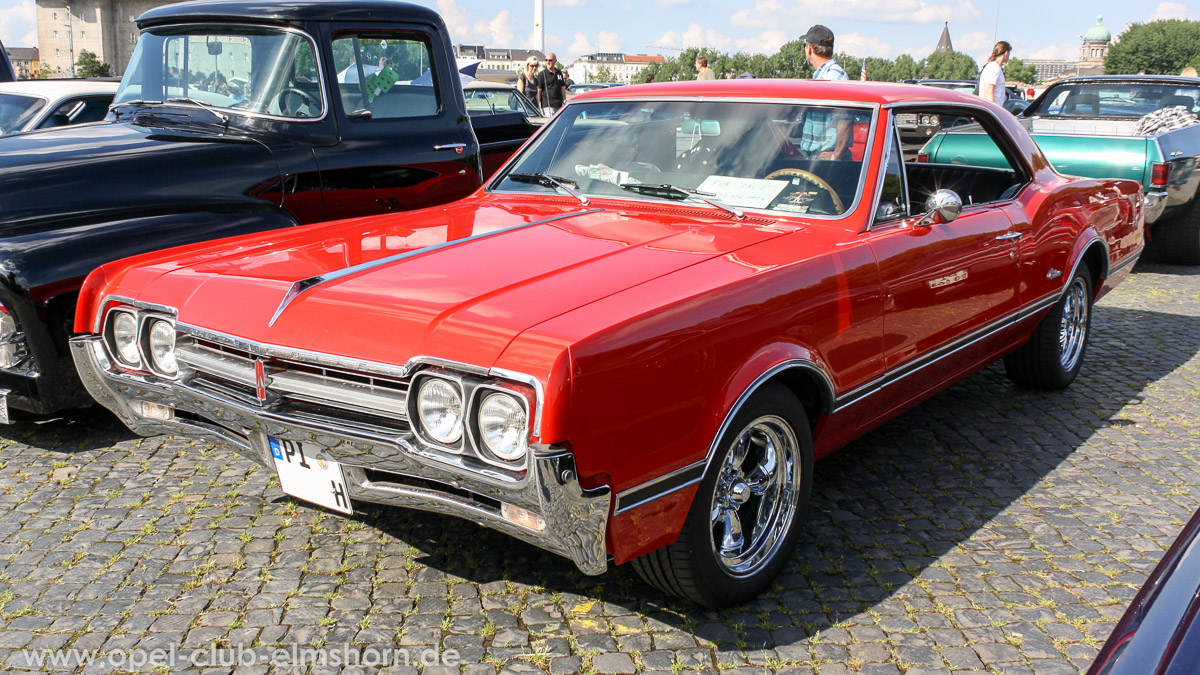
406, 142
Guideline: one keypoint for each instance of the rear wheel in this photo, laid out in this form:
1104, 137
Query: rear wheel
1177, 240
1052, 357
745, 517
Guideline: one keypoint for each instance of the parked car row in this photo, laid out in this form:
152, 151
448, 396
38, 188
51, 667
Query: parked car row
627, 342
1094, 126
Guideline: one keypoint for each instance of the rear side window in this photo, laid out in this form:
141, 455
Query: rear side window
385, 76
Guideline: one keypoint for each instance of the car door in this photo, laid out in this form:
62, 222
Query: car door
946, 284
403, 144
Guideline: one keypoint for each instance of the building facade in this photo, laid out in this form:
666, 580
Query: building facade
25, 61
623, 68
105, 28
1093, 50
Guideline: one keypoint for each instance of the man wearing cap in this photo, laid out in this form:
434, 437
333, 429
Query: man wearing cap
824, 135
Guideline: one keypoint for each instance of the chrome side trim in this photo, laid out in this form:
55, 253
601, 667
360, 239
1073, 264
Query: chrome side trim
896, 374
303, 285
695, 472
1130, 259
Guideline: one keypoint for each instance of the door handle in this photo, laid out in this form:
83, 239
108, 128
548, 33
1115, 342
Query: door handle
1008, 236
456, 147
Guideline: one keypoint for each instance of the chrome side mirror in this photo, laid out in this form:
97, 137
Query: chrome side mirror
942, 206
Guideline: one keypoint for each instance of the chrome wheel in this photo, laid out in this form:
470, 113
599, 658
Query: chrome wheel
1072, 332
755, 497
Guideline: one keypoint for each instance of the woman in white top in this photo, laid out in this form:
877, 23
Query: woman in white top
991, 78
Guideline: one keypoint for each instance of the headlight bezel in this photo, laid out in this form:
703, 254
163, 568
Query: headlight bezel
479, 397
417, 418
146, 342
114, 347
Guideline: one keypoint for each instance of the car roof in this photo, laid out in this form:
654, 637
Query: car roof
853, 91
1145, 79
285, 12
58, 88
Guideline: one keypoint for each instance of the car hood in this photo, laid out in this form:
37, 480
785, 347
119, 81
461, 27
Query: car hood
49, 178
457, 282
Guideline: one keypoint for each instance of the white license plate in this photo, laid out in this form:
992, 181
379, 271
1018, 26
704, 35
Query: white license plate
906, 120
4, 406
309, 473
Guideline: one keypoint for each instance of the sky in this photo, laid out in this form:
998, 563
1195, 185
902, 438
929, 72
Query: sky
883, 28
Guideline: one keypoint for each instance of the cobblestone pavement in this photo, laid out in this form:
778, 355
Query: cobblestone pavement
990, 529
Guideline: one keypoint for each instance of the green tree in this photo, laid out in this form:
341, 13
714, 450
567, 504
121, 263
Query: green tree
1018, 71
601, 74
949, 66
905, 67
789, 61
90, 66
1162, 47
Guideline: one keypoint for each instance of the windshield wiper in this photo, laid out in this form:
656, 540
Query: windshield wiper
131, 102
548, 180
203, 106
668, 191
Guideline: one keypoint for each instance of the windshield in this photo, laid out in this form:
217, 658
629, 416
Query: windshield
1115, 99
16, 111
496, 101
777, 157
244, 69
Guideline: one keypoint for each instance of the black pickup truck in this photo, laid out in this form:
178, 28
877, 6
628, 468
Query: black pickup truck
232, 117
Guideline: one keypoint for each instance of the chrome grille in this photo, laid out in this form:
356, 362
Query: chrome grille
285, 382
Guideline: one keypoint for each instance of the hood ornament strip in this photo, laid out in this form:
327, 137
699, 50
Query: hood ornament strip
304, 285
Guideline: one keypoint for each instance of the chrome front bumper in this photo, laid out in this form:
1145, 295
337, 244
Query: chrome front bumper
380, 468
1155, 203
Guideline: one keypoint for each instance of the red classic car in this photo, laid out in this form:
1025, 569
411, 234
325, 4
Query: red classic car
632, 344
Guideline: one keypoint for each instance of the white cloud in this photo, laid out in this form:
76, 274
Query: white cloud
1068, 51
862, 45
18, 25
498, 31
696, 36
807, 12
766, 42
1169, 10
582, 44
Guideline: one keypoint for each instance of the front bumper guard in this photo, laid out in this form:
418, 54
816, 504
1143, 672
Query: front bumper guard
379, 468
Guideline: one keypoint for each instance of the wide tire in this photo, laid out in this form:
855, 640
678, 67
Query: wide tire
1052, 357
1177, 240
747, 512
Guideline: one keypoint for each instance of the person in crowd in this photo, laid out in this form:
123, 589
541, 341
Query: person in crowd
649, 79
525, 80
824, 135
818, 51
703, 72
1189, 72
551, 87
991, 78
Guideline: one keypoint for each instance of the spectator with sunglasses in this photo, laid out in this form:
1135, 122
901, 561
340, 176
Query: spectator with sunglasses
551, 86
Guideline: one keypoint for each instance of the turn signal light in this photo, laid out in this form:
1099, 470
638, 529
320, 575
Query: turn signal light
1160, 174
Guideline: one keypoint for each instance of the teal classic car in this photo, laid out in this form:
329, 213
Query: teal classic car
1140, 127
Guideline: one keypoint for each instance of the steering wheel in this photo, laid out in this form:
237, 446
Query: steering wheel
286, 97
812, 178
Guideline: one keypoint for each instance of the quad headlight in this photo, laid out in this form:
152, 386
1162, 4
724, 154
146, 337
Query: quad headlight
125, 338
161, 341
440, 409
503, 426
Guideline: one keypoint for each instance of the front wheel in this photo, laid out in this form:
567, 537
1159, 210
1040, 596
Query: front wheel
745, 517
1053, 356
